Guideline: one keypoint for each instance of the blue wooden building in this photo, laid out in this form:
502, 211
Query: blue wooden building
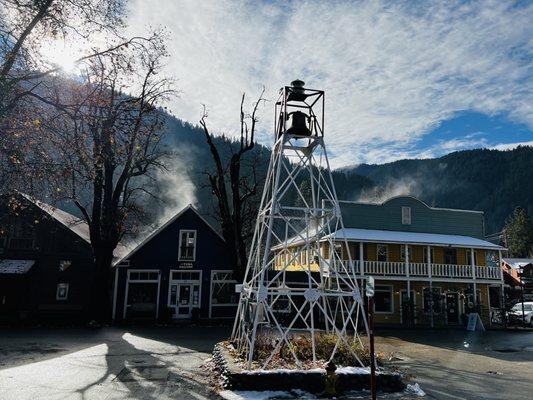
179, 272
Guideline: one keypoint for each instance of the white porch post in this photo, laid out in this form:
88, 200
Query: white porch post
407, 271
473, 264
430, 276
361, 259
410, 315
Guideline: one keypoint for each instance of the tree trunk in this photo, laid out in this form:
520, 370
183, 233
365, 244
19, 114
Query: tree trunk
100, 299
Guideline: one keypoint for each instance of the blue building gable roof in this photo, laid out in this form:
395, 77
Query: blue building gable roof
163, 244
171, 280
388, 216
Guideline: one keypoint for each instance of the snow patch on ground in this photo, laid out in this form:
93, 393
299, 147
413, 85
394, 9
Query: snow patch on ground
284, 371
339, 370
353, 370
414, 388
266, 395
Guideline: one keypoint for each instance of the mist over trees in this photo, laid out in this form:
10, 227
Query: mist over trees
486, 180
491, 181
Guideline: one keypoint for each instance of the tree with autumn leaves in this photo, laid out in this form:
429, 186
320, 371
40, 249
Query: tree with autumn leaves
92, 140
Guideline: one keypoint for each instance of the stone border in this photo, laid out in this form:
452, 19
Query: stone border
312, 381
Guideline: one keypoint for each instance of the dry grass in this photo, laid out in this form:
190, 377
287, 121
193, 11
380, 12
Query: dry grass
301, 345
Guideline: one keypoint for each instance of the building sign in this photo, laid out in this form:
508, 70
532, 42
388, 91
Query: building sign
185, 265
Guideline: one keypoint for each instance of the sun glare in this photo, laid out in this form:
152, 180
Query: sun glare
62, 55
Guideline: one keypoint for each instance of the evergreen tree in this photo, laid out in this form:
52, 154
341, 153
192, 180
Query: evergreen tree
519, 233
305, 189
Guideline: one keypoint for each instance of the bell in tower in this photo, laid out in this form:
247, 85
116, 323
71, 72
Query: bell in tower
291, 119
298, 124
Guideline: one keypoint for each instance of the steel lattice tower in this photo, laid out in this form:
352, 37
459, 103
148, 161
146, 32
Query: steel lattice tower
294, 263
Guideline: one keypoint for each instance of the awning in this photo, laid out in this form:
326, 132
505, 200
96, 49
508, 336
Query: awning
15, 266
416, 238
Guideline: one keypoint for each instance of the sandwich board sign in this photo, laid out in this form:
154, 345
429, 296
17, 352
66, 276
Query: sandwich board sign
474, 323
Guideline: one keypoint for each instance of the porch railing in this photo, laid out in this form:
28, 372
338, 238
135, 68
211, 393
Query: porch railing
392, 268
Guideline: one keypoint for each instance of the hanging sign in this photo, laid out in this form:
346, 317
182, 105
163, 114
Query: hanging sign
369, 289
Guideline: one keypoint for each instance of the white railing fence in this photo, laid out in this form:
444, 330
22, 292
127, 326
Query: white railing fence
398, 268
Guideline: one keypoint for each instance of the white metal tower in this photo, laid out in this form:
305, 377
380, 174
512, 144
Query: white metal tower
297, 279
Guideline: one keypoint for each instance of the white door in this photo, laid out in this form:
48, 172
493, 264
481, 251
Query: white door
184, 292
184, 298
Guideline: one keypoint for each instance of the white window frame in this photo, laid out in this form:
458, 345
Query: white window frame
386, 252
62, 285
213, 281
469, 257
402, 252
185, 281
194, 248
406, 215
431, 255
128, 280
391, 291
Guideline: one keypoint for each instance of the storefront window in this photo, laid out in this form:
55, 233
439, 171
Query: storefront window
383, 299
223, 288
435, 298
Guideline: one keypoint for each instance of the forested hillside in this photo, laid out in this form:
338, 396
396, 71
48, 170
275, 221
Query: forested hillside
488, 180
492, 181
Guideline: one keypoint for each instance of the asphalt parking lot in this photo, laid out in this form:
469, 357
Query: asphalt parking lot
167, 363
456, 364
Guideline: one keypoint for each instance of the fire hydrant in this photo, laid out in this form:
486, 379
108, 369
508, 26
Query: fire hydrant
331, 379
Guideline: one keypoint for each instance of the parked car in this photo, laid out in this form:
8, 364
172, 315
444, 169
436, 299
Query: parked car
515, 314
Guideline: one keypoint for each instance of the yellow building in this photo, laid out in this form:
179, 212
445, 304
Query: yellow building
427, 262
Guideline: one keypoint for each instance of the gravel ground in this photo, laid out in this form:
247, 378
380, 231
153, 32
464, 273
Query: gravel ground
168, 362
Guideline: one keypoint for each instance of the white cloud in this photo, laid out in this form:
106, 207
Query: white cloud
392, 71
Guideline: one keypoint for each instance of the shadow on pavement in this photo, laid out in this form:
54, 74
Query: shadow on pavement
140, 362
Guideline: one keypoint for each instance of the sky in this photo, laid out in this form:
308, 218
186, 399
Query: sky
402, 79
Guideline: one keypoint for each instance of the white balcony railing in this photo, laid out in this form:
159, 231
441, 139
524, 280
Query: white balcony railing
391, 268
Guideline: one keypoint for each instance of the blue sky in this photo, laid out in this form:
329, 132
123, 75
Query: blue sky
402, 78
468, 130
